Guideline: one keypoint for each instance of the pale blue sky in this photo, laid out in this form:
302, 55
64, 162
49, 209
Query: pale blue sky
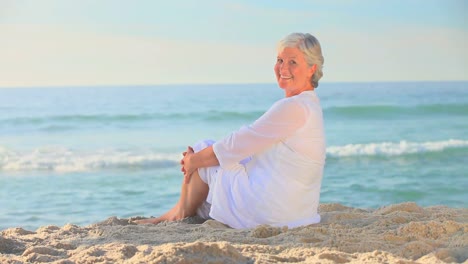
111, 42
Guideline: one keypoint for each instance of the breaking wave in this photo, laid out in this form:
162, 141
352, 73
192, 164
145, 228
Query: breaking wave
394, 148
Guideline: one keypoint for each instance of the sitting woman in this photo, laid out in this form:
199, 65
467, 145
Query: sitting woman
269, 172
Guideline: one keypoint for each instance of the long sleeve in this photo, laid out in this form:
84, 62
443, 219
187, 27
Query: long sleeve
283, 119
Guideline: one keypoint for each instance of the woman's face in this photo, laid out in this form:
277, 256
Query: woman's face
292, 72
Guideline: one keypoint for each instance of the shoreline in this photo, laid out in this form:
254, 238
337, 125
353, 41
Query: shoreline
398, 233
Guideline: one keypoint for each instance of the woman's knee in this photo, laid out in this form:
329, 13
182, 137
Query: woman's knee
202, 144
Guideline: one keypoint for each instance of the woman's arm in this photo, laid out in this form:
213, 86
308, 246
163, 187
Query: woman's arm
282, 120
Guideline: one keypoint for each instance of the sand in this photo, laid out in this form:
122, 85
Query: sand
400, 233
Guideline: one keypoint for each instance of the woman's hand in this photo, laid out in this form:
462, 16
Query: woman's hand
182, 162
187, 167
192, 161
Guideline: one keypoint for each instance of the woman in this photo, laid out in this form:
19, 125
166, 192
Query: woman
269, 172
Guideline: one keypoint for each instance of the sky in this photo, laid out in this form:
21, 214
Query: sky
151, 42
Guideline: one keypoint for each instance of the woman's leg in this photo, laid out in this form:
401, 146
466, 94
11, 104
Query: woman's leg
192, 196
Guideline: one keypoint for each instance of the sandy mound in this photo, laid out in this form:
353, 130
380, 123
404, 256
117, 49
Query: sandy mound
401, 233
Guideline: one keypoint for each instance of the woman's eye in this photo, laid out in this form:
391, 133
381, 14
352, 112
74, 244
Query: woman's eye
292, 62
279, 60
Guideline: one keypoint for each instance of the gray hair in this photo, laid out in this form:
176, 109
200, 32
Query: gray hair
311, 49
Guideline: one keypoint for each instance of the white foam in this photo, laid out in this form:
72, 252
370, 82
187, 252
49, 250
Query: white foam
392, 148
62, 159
66, 160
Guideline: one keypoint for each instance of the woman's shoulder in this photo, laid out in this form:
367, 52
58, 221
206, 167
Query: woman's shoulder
287, 102
290, 106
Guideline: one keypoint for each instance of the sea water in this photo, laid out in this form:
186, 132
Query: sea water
82, 154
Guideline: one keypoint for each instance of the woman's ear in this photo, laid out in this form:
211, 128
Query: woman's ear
312, 69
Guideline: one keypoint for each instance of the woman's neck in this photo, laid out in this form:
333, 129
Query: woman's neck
297, 92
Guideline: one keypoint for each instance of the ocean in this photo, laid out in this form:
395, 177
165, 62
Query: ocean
82, 154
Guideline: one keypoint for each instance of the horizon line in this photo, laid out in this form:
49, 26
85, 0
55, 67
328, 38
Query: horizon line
211, 84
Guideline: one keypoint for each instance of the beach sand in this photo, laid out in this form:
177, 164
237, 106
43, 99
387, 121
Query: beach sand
400, 233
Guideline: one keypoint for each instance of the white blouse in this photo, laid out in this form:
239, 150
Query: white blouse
278, 181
